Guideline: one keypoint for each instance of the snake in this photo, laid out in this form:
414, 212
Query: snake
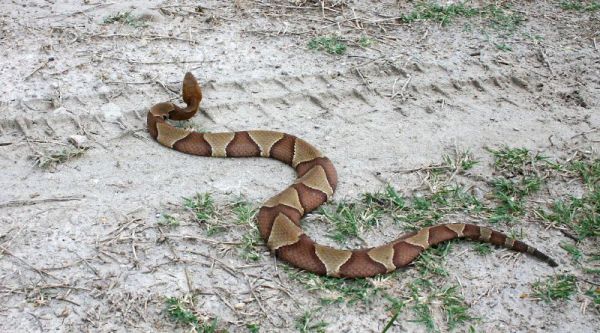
279, 217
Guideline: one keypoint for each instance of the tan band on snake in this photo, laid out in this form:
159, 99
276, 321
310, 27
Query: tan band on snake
279, 218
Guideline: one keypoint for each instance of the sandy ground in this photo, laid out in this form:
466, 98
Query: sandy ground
80, 250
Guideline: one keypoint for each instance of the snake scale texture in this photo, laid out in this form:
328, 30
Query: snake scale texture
279, 218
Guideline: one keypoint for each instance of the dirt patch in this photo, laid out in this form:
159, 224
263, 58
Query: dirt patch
95, 234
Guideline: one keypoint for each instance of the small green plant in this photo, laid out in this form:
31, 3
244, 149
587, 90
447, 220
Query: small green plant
581, 215
423, 315
555, 288
594, 294
244, 212
169, 220
439, 13
502, 19
179, 313
350, 220
572, 250
305, 323
588, 170
250, 244
468, 164
329, 44
420, 300
125, 18
503, 47
582, 6
389, 199
431, 260
49, 160
202, 205
335, 290
510, 195
454, 306
365, 41
425, 210
253, 328
214, 229
482, 249
396, 307
516, 161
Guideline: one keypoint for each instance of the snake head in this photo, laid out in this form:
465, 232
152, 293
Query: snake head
192, 95
191, 89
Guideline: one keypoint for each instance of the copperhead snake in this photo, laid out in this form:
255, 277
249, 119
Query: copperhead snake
279, 218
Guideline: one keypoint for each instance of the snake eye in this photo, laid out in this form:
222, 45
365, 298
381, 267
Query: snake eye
165, 117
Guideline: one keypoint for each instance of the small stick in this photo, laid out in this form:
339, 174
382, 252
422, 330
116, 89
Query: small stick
42, 65
14, 203
35, 269
364, 80
77, 12
586, 132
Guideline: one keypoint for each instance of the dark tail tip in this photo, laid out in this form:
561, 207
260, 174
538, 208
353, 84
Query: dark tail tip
545, 258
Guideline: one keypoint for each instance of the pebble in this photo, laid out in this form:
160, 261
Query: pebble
111, 111
78, 141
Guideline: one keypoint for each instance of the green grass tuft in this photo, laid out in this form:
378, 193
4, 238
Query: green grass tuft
588, 170
329, 44
499, 17
50, 159
516, 161
581, 215
457, 312
244, 212
503, 47
365, 41
453, 306
575, 253
305, 323
250, 244
581, 6
179, 313
335, 290
202, 205
510, 195
439, 13
350, 220
482, 249
431, 260
253, 328
169, 220
559, 287
125, 18
422, 211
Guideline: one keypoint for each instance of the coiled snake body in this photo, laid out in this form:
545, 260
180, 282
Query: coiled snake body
279, 218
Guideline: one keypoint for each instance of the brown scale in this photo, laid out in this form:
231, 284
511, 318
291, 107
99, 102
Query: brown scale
360, 264
308, 261
304, 167
193, 144
310, 198
266, 216
242, 146
283, 150
279, 218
